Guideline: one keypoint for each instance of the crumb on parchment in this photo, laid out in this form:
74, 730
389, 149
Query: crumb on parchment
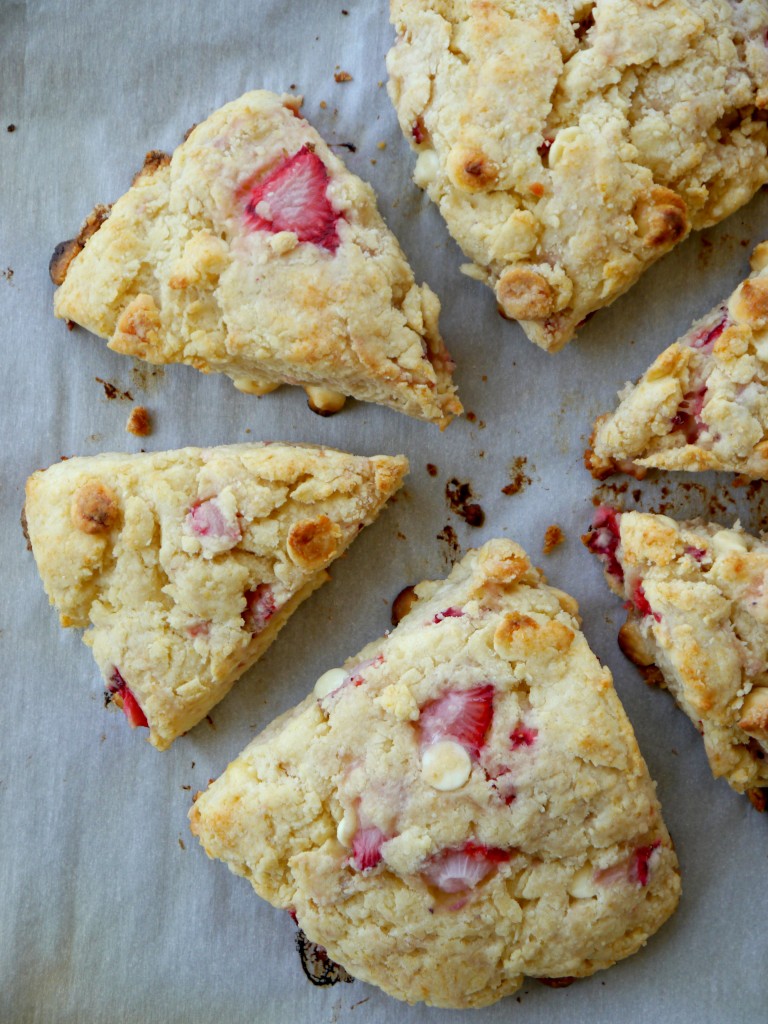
139, 422
552, 537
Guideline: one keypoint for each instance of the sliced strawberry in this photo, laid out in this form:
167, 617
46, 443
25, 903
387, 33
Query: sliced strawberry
687, 420
604, 538
641, 602
461, 715
640, 868
523, 736
366, 847
117, 687
293, 198
449, 613
461, 869
418, 131
697, 553
207, 519
260, 606
705, 339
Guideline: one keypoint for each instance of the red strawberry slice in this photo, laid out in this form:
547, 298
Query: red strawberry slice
118, 688
705, 339
461, 715
293, 198
641, 602
640, 869
366, 847
260, 606
449, 613
207, 519
688, 419
462, 868
604, 538
523, 736
697, 553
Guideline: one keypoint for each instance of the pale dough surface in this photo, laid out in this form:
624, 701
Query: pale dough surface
176, 275
569, 144
702, 621
702, 404
554, 799
182, 566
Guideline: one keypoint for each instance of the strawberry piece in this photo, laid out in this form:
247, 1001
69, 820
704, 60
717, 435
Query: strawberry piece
604, 538
293, 198
199, 629
117, 687
705, 339
641, 602
260, 606
461, 869
366, 847
544, 148
522, 736
418, 131
688, 419
207, 519
640, 868
697, 553
356, 676
461, 715
449, 613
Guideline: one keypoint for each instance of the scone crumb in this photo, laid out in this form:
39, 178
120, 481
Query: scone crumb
552, 537
139, 422
342, 76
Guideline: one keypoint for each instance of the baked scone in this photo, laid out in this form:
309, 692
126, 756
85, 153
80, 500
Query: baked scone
460, 805
569, 144
186, 564
697, 623
254, 252
703, 404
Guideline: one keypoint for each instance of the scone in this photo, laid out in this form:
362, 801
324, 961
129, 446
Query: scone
460, 805
254, 252
697, 623
186, 564
569, 144
703, 404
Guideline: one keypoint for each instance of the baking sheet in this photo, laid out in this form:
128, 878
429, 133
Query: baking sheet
110, 910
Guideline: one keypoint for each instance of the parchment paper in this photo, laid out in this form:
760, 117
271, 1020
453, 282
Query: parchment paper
109, 910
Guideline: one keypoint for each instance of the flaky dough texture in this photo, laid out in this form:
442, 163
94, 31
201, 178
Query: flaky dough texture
185, 564
177, 273
569, 144
462, 805
698, 624
703, 403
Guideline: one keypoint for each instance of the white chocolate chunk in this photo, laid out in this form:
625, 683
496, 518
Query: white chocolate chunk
347, 827
446, 765
727, 541
582, 885
329, 681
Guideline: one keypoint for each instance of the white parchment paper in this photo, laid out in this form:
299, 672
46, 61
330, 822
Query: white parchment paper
109, 910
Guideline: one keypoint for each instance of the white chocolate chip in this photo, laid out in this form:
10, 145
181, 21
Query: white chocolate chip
582, 885
725, 542
426, 168
283, 242
446, 765
564, 138
329, 681
347, 827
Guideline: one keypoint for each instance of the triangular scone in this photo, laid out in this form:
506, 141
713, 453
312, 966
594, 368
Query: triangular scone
254, 252
569, 144
460, 805
697, 623
703, 404
186, 564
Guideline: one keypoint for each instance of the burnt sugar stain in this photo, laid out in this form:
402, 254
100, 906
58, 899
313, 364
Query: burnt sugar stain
459, 495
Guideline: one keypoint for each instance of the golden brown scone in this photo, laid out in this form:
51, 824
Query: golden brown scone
254, 252
460, 805
569, 144
698, 619
703, 404
186, 564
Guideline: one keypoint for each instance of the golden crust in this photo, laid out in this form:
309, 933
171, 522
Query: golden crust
183, 273
287, 813
183, 566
